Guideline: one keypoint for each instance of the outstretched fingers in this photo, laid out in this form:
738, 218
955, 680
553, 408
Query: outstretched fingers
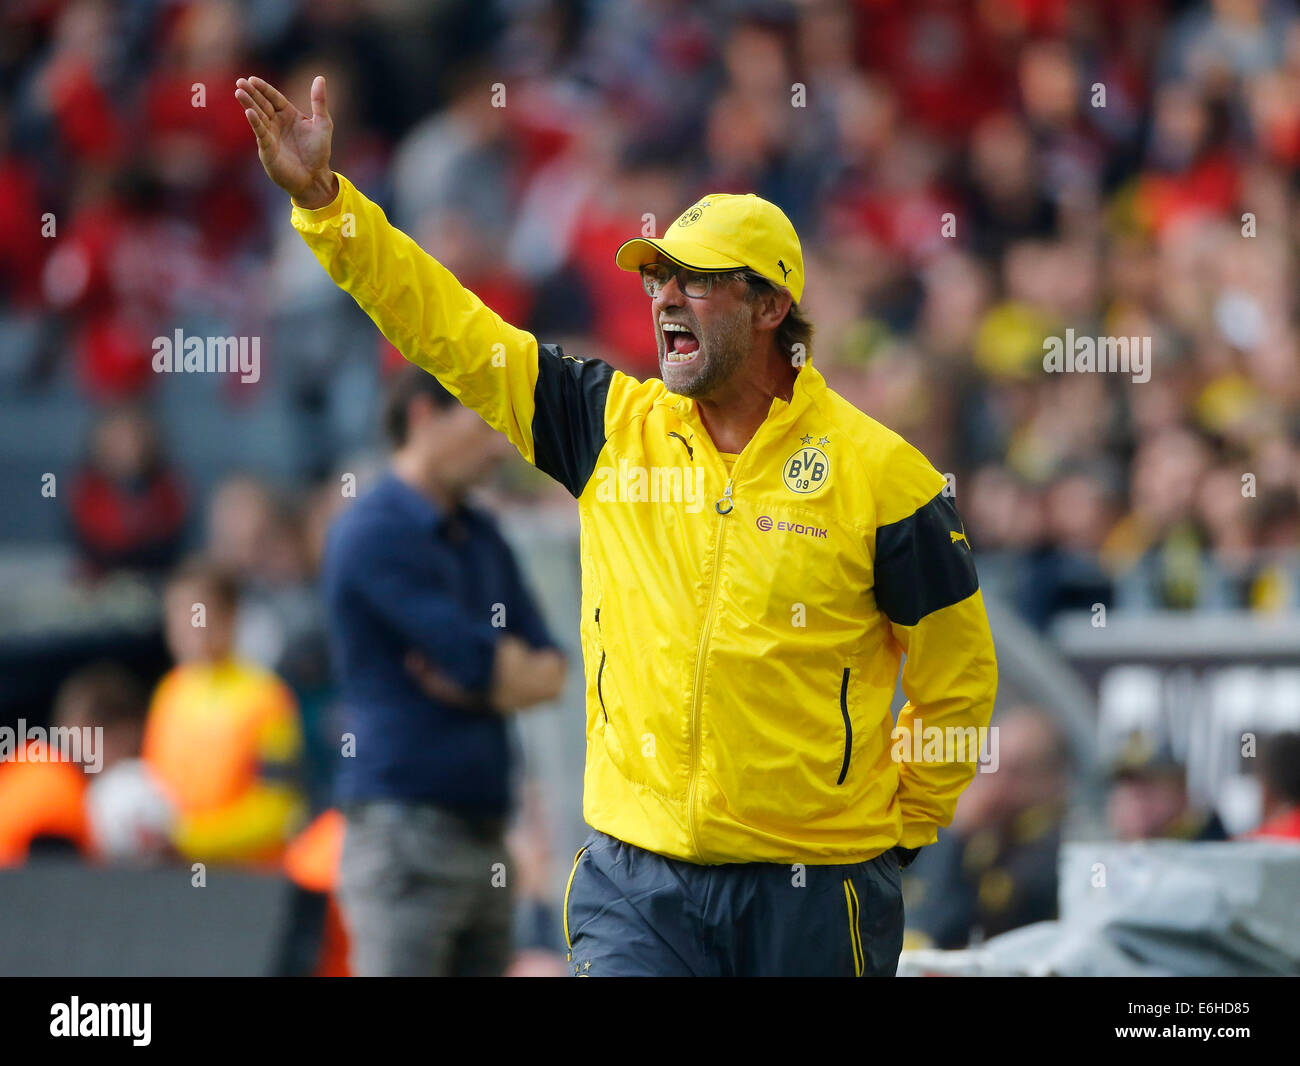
250, 103
260, 127
261, 101
277, 100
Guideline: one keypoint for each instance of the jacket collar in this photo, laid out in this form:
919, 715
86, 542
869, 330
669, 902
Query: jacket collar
808, 383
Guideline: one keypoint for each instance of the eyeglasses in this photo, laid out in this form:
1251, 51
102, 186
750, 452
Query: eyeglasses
694, 283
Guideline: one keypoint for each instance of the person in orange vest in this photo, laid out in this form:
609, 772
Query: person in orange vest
95, 796
223, 735
43, 787
41, 805
1279, 773
317, 942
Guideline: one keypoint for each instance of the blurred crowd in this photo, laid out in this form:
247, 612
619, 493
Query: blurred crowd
995, 868
968, 179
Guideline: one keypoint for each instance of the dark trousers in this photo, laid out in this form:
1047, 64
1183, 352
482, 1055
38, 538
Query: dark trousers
422, 894
631, 913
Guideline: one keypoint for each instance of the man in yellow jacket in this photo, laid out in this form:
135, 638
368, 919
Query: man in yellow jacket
758, 556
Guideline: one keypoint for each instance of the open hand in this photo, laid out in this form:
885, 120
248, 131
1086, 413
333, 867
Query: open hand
294, 148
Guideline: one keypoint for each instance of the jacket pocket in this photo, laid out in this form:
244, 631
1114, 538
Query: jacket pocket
848, 726
600, 671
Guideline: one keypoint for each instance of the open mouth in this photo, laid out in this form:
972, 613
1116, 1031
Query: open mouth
680, 344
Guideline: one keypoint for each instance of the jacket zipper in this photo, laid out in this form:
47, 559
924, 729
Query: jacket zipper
848, 725
705, 630
600, 672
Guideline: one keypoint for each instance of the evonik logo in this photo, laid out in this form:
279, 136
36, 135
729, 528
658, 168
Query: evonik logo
765, 523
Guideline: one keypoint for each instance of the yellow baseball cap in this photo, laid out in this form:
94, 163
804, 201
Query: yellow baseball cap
727, 231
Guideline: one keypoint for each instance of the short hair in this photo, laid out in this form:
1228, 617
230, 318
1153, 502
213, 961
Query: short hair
200, 570
111, 694
795, 333
408, 383
1279, 765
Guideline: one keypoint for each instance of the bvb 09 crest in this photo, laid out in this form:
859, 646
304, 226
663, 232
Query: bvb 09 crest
692, 214
806, 471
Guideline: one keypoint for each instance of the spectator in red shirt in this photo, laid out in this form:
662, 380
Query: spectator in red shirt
192, 142
128, 509
71, 87
22, 248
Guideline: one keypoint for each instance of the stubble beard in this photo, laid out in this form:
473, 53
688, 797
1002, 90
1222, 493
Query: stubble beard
723, 350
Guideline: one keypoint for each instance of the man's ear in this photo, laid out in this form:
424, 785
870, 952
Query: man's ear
772, 308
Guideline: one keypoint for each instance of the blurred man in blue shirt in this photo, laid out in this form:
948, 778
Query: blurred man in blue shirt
435, 640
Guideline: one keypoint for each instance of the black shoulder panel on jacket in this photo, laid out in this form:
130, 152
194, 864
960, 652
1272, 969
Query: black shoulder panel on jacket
923, 563
569, 415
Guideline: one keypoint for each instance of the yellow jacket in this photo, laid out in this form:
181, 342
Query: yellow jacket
742, 633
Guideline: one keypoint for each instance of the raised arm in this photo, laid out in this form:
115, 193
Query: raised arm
550, 405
